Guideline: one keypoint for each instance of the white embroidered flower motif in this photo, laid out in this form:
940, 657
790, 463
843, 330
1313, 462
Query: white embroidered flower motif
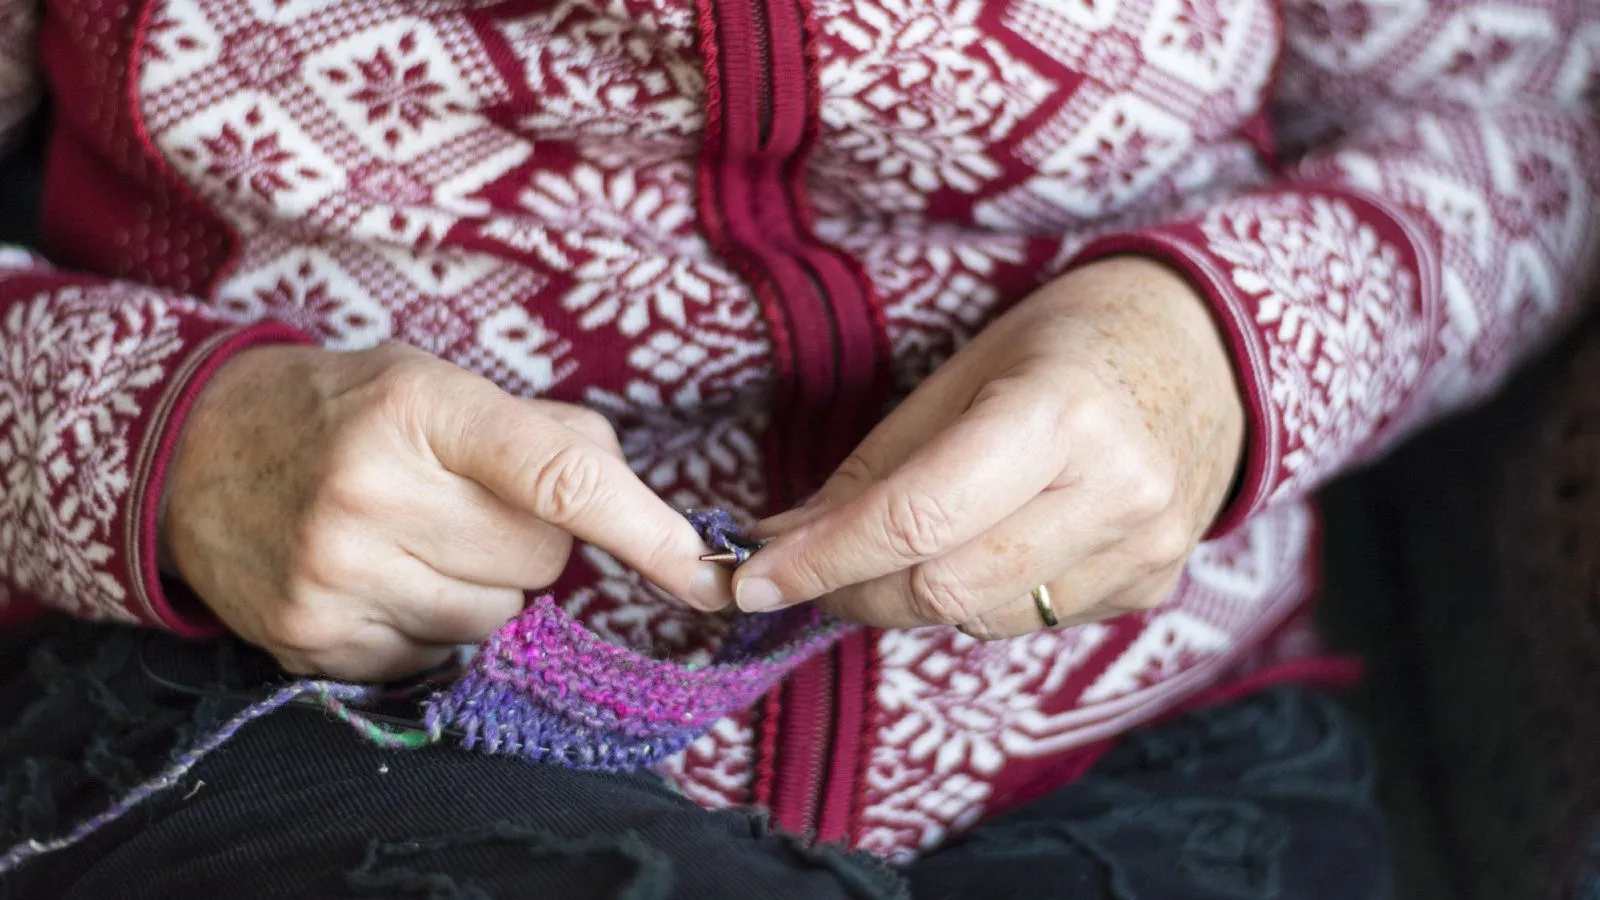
1199, 28
395, 89
915, 807
953, 702
690, 460
599, 75
1337, 307
915, 92
165, 38
937, 288
73, 365
1545, 188
248, 163
666, 356
1338, 23
714, 771
303, 299
1168, 643
1113, 60
841, 190
639, 258
1112, 167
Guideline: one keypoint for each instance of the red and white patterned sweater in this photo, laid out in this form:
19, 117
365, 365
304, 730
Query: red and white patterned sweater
739, 226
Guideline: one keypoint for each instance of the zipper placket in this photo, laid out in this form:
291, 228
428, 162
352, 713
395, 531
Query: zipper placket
806, 733
832, 350
804, 729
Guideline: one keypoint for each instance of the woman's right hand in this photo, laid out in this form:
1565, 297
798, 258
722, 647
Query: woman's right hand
358, 514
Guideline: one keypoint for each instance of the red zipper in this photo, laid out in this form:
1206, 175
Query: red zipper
805, 730
832, 352
854, 685
819, 753
763, 66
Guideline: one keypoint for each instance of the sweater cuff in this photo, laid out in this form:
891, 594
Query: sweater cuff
156, 603
1315, 289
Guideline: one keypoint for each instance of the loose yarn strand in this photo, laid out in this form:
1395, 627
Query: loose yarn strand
546, 688
334, 697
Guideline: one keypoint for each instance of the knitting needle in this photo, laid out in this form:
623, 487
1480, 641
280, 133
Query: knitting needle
726, 558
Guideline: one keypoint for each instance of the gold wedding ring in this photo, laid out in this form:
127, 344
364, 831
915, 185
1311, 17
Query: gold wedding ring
1041, 602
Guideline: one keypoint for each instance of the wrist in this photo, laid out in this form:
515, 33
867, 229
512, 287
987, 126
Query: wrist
152, 505
1155, 305
207, 434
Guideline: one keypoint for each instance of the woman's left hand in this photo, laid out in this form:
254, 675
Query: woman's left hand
1084, 441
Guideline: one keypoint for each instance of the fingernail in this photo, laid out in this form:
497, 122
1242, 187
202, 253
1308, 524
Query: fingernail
709, 587
757, 595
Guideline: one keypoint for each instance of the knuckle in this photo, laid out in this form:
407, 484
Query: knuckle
1150, 492
402, 383
1038, 414
401, 398
395, 352
349, 483
316, 563
1167, 543
1084, 414
917, 525
570, 481
298, 630
940, 597
324, 556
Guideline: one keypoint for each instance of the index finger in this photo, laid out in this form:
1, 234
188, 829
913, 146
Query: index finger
989, 463
557, 475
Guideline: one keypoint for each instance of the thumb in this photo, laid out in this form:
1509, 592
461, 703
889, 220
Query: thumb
550, 471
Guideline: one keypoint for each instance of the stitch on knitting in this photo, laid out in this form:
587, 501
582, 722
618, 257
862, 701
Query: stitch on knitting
546, 688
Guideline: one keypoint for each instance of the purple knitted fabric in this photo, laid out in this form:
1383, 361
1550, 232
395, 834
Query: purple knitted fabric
548, 689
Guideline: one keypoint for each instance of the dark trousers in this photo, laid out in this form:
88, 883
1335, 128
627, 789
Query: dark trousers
1269, 798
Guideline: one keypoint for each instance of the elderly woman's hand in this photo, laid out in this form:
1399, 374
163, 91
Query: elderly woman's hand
356, 514
1085, 441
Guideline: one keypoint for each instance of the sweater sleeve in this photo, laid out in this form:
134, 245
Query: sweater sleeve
1434, 224
95, 380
